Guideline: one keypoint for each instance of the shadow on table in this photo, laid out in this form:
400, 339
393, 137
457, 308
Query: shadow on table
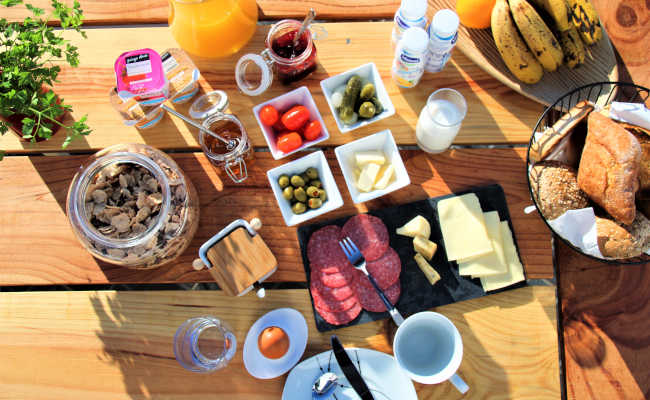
605, 316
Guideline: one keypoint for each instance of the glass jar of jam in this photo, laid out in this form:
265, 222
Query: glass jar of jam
229, 147
254, 72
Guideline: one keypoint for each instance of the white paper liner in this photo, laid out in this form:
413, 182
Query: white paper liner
632, 113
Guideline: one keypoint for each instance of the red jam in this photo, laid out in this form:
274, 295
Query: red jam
293, 67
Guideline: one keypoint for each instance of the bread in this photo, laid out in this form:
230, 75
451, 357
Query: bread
555, 188
643, 136
621, 241
609, 167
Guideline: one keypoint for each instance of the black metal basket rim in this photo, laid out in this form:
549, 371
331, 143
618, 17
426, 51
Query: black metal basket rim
615, 85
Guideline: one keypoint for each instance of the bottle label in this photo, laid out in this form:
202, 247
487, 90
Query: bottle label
402, 24
408, 67
439, 51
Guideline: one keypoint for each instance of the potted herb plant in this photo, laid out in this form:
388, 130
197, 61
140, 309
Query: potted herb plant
31, 53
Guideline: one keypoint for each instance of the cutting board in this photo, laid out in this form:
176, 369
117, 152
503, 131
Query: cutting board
417, 294
478, 45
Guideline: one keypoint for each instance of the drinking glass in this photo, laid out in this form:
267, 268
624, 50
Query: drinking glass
204, 344
440, 120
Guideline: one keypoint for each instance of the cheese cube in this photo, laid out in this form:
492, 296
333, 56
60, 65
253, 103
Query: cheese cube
515, 271
367, 157
463, 227
367, 177
492, 263
385, 176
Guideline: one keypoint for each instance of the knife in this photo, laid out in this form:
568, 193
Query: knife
349, 370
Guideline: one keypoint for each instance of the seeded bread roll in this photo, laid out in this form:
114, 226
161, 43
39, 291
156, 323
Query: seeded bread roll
555, 188
609, 167
643, 136
623, 241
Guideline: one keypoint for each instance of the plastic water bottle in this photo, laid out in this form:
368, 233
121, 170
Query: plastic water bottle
410, 58
411, 13
443, 34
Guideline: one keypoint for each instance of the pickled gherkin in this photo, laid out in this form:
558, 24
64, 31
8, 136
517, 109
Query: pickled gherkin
378, 107
367, 91
367, 110
351, 93
347, 115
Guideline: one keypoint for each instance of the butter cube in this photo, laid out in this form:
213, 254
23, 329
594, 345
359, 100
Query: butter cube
367, 177
385, 176
363, 158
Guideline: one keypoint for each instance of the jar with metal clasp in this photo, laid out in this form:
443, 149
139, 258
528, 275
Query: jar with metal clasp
231, 154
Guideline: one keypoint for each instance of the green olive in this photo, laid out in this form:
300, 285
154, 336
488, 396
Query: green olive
367, 110
322, 195
312, 173
297, 181
314, 203
313, 191
316, 183
283, 181
287, 193
305, 178
298, 208
299, 194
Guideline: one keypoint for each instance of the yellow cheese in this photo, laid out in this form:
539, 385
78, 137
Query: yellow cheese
425, 247
463, 227
418, 226
492, 263
367, 177
429, 272
515, 269
385, 176
367, 157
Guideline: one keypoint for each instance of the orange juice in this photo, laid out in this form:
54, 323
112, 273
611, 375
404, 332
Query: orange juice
212, 28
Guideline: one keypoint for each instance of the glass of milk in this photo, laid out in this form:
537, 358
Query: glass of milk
440, 120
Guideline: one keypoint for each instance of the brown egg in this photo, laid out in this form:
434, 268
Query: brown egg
273, 342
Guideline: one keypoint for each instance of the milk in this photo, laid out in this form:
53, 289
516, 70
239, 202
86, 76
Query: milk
437, 126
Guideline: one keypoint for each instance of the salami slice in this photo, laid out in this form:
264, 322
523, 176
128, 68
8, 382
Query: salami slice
323, 302
368, 297
338, 294
344, 276
324, 251
340, 318
368, 233
386, 269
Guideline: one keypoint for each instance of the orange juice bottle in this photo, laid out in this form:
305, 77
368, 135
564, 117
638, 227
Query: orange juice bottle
212, 28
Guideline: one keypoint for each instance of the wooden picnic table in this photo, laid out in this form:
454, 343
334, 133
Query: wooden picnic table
52, 337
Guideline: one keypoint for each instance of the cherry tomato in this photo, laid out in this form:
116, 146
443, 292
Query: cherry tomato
295, 118
288, 142
269, 115
312, 130
278, 127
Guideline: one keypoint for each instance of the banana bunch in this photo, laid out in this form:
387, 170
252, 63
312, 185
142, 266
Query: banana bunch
543, 34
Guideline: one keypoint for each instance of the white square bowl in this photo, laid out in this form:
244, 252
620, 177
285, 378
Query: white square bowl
382, 141
368, 71
299, 96
317, 160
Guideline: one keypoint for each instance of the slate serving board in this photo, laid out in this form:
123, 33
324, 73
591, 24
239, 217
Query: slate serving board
417, 294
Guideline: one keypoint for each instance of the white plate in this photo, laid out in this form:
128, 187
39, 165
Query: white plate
379, 370
295, 326
317, 160
367, 71
382, 141
299, 96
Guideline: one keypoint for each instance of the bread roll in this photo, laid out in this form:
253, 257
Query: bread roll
623, 241
609, 167
643, 136
555, 188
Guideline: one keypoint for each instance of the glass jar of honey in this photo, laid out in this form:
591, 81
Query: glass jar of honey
225, 141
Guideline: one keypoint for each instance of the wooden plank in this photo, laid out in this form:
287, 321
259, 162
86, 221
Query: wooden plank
496, 114
122, 12
606, 317
38, 246
628, 26
118, 345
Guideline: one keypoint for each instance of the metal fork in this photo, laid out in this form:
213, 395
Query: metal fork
359, 262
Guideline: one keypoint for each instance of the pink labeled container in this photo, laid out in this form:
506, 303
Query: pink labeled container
139, 74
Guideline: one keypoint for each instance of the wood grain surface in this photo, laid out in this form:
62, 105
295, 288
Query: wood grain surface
121, 12
40, 248
479, 46
118, 345
495, 114
606, 317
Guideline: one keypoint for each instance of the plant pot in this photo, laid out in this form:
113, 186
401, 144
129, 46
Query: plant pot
16, 125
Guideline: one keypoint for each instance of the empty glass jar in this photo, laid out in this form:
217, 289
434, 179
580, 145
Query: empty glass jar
204, 344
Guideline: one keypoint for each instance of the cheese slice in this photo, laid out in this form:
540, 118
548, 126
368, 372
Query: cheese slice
366, 157
492, 263
367, 177
385, 176
515, 269
463, 227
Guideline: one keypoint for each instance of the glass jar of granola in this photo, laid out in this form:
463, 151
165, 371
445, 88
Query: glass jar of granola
131, 205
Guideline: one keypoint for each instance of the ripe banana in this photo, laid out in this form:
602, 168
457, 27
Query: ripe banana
514, 52
573, 48
558, 10
537, 35
585, 18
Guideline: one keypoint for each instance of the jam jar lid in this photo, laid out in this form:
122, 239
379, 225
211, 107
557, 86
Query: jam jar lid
253, 73
209, 104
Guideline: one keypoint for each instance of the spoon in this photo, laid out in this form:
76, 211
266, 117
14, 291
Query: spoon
305, 24
324, 385
230, 144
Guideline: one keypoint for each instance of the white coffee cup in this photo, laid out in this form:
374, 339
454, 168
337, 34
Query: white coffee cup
429, 349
